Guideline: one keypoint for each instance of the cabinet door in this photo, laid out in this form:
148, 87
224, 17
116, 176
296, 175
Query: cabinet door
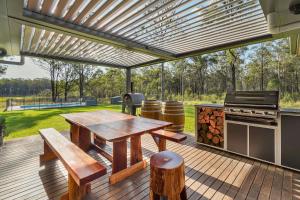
262, 143
237, 138
290, 137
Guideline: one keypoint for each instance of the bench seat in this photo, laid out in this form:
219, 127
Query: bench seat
175, 137
81, 167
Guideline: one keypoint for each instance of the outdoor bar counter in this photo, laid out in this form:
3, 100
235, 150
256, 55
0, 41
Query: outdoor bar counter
274, 144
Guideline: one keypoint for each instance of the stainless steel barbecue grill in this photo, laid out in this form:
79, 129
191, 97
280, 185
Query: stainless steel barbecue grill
251, 124
260, 107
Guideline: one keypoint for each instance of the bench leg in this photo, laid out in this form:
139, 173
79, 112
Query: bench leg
48, 154
160, 142
136, 154
76, 192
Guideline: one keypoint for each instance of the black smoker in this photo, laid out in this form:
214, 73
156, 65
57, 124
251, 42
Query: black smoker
132, 101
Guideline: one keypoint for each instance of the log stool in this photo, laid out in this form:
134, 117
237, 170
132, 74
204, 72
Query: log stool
167, 176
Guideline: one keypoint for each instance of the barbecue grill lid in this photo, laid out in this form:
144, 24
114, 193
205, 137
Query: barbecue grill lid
254, 99
133, 98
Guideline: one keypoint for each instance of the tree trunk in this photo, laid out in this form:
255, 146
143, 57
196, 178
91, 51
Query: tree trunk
262, 73
297, 81
66, 91
53, 90
233, 76
81, 84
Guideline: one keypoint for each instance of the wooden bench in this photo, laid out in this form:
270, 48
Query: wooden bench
82, 168
160, 137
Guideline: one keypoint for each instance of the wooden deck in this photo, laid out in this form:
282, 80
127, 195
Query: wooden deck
210, 174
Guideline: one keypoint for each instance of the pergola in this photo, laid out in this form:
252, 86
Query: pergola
135, 33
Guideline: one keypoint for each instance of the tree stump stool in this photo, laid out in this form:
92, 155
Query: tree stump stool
167, 176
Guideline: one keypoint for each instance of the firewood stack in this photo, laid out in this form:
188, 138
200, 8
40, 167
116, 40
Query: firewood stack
210, 127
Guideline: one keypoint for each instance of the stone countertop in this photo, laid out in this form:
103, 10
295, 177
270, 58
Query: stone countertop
284, 111
287, 111
210, 105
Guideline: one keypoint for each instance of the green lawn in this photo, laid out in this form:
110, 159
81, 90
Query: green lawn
25, 123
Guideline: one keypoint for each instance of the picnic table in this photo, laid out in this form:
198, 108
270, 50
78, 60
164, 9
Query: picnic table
116, 128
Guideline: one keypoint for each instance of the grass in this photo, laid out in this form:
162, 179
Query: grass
28, 122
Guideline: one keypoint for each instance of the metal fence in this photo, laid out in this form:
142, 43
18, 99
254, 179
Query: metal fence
29, 103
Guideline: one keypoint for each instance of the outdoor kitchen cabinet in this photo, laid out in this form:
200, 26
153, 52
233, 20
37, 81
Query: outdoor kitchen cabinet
237, 138
290, 137
262, 143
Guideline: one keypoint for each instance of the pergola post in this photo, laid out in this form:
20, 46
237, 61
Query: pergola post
162, 80
128, 80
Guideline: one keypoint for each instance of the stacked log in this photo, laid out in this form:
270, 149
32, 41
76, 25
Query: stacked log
211, 126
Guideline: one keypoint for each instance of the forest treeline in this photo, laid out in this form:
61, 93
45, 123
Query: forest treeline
265, 66
24, 87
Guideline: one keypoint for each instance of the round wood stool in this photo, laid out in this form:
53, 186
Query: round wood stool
167, 176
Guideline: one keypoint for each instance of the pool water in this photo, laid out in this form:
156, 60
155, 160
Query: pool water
54, 105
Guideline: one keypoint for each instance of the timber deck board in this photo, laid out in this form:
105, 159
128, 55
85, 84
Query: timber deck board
210, 174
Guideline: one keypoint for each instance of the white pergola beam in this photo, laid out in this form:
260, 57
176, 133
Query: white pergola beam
15, 11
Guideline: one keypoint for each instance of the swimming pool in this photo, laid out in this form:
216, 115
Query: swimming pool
54, 105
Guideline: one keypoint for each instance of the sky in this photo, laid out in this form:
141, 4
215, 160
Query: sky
27, 71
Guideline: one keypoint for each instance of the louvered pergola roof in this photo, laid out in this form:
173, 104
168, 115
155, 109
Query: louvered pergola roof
133, 33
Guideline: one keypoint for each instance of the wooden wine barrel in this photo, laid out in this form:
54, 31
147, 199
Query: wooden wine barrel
173, 111
151, 109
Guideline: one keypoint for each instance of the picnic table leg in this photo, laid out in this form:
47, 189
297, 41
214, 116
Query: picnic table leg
136, 154
81, 137
84, 138
119, 163
119, 156
74, 134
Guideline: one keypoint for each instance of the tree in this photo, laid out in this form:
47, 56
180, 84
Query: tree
234, 59
68, 76
54, 69
261, 57
84, 72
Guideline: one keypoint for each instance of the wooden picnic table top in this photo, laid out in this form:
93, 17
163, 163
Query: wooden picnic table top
112, 126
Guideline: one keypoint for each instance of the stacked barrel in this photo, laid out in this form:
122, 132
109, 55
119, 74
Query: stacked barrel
170, 111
